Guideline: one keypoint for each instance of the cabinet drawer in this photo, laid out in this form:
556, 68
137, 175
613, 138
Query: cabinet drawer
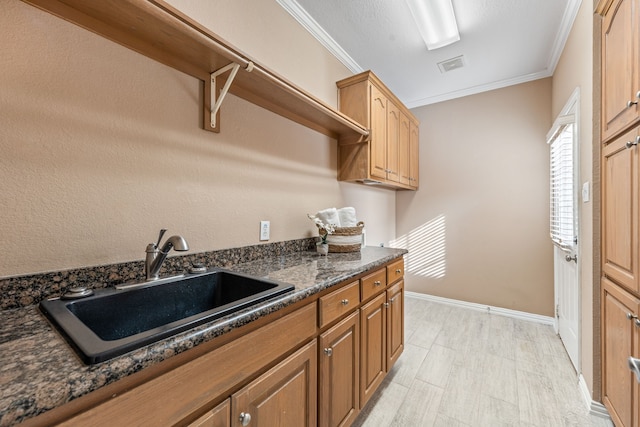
395, 271
373, 283
337, 303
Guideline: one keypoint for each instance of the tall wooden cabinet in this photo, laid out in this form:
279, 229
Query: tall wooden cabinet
620, 311
389, 155
620, 211
620, 247
620, 65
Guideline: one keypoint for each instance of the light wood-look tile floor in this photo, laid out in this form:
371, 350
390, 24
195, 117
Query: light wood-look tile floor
463, 367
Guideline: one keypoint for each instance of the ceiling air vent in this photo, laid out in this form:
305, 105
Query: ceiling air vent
451, 64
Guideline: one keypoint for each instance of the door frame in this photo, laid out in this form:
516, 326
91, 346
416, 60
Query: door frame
572, 108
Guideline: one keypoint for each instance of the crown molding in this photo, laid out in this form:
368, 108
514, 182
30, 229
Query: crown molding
477, 89
568, 18
304, 19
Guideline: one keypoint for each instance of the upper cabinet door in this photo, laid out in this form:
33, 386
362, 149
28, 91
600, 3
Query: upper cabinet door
414, 155
620, 75
378, 133
393, 134
404, 150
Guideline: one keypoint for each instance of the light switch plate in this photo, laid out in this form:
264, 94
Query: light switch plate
585, 192
264, 230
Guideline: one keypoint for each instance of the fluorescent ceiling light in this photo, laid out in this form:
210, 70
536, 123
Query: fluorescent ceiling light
436, 22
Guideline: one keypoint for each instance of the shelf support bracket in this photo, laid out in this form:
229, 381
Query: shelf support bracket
215, 99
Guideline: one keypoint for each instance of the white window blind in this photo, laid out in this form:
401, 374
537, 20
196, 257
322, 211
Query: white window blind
562, 227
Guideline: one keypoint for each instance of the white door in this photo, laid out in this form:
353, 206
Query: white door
563, 139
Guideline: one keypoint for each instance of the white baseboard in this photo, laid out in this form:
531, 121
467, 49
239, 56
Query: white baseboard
595, 408
486, 308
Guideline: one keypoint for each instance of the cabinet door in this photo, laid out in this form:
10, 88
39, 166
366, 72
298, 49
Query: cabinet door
338, 373
378, 133
395, 323
620, 211
404, 150
393, 142
373, 332
220, 416
414, 155
284, 396
620, 80
619, 342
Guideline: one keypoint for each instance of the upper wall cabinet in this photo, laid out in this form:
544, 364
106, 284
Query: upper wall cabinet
159, 31
389, 156
620, 65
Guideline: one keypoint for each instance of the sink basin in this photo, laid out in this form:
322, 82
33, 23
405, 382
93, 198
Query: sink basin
113, 322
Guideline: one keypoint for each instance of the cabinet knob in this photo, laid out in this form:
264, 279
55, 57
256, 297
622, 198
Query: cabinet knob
631, 103
386, 305
345, 302
398, 271
637, 323
377, 283
631, 316
245, 418
633, 143
328, 351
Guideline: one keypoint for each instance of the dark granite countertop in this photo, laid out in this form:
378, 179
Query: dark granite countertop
40, 371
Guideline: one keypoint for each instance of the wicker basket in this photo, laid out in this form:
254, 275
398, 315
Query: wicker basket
345, 239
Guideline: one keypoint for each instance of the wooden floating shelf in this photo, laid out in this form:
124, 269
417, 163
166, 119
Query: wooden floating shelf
157, 30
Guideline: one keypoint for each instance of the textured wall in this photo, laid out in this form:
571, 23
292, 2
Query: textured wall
101, 147
477, 230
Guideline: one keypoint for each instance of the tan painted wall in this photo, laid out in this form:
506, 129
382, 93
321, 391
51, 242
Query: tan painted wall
101, 147
477, 228
575, 69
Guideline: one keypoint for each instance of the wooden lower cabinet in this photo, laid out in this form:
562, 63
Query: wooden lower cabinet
620, 334
373, 361
220, 416
339, 361
283, 396
317, 365
395, 323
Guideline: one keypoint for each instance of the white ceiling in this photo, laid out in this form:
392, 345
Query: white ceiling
504, 42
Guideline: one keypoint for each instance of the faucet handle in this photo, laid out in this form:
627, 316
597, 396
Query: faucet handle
162, 231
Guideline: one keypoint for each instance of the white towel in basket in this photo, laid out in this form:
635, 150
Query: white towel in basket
329, 216
347, 217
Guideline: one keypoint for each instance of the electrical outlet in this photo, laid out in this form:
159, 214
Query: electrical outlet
264, 230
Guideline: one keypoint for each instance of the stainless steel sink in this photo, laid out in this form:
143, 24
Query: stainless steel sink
112, 322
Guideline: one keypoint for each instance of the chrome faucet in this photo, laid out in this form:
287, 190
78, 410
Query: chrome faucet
155, 256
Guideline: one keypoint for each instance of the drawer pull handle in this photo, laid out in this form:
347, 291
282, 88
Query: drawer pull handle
328, 351
634, 366
377, 283
345, 302
245, 418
